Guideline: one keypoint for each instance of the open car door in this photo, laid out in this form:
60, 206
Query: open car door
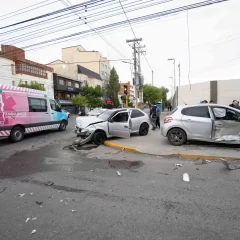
226, 126
119, 125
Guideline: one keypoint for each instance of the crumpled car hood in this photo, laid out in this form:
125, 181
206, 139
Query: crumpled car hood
83, 122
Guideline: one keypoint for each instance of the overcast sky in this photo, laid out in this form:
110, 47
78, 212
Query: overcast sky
214, 39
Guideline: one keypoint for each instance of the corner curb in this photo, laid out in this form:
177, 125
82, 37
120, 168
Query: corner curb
179, 155
116, 145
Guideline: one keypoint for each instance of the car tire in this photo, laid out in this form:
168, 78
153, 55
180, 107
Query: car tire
143, 130
17, 134
99, 138
63, 126
177, 137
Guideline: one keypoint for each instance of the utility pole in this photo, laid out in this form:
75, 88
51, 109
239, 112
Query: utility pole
136, 82
179, 74
140, 88
152, 77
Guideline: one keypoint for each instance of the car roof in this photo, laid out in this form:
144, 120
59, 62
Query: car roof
207, 104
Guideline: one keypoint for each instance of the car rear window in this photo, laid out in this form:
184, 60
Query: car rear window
201, 111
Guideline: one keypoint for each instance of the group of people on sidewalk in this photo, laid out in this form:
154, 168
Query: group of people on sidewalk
155, 117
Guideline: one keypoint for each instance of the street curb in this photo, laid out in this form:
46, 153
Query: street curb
179, 155
115, 145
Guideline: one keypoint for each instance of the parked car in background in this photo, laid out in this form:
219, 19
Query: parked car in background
113, 123
68, 113
96, 112
208, 122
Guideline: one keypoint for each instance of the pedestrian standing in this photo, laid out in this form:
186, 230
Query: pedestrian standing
153, 116
158, 118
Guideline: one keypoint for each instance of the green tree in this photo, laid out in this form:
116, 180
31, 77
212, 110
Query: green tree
164, 92
93, 96
151, 94
79, 100
113, 87
32, 85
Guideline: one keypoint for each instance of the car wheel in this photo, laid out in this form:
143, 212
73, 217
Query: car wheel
63, 126
17, 134
177, 137
143, 130
99, 138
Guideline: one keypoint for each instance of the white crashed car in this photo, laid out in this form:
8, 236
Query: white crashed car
113, 123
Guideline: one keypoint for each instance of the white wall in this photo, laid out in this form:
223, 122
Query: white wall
228, 90
8, 76
197, 93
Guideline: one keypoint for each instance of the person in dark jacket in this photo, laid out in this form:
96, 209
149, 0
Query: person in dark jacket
153, 116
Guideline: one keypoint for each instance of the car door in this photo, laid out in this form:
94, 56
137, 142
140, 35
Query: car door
197, 122
118, 125
136, 120
226, 124
56, 113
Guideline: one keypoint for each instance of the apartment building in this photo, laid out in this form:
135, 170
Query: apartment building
92, 60
15, 69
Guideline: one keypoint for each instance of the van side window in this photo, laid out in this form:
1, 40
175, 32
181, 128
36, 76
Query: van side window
53, 105
37, 105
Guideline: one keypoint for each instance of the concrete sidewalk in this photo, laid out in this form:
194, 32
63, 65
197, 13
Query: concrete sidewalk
156, 144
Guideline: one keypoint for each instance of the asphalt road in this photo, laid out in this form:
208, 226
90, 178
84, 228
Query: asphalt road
79, 195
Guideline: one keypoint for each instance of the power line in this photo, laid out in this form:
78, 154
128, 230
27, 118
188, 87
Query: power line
127, 19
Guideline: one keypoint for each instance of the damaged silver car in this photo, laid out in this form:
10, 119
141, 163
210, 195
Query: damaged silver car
208, 122
112, 123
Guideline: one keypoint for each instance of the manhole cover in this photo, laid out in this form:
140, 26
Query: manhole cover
124, 164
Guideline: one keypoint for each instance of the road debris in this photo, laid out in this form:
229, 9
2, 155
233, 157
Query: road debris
2, 189
201, 161
197, 169
186, 177
61, 201
230, 166
208, 161
33, 231
118, 173
178, 165
39, 203
27, 220
31, 193
21, 194
74, 210
33, 219
49, 183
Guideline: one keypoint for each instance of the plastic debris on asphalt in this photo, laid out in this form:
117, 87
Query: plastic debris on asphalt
31, 193
186, 177
202, 161
21, 194
49, 183
61, 201
119, 174
2, 189
33, 231
34, 219
74, 210
178, 165
27, 219
39, 203
230, 166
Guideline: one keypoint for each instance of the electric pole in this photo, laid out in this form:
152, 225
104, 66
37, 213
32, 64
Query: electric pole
136, 79
179, 74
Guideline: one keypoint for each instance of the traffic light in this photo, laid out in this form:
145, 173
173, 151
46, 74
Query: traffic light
125, 89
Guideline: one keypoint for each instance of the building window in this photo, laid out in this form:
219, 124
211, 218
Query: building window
61, 82
69, 83
77, 85
13, 83
30, 69
37, 105
26, 82
67, 96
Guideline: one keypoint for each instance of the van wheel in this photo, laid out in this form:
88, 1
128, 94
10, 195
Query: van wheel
177, 137
99, 138
17, 134
63, 126
143, 130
